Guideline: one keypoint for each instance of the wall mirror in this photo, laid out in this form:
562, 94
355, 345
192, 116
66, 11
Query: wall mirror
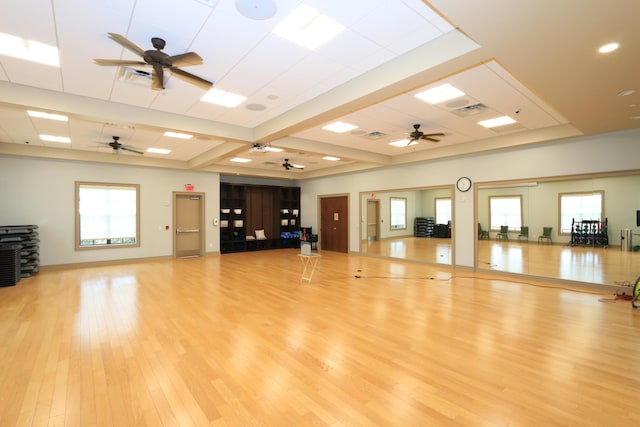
426, 236
593, 222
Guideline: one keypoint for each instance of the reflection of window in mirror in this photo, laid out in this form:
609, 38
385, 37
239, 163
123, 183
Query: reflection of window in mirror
443, 210
581, 207
505, 210
398, 213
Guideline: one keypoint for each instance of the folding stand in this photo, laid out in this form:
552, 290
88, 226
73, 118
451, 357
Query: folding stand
309, 263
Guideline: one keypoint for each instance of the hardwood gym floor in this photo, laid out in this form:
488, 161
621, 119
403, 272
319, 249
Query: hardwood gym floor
238, 340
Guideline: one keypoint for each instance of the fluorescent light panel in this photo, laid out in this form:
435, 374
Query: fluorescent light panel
29, 50
331, 158
51, 138
240, 160
273, 149
158, 150
225, 99
48, 116
308, 28
339, 127
403, 143
440, 94
498, 121
608, 47
178, 135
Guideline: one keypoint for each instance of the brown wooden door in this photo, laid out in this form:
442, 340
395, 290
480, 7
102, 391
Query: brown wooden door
188, 224
334, 224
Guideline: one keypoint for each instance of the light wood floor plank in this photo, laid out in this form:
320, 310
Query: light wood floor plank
238, 340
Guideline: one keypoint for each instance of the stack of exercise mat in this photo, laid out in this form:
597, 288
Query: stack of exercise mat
19, 253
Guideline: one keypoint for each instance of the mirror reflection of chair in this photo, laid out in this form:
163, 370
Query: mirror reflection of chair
546, 234
482, 234
504, 233
524, 233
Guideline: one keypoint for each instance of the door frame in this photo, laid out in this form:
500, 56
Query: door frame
377, 218
203, 229
319, 215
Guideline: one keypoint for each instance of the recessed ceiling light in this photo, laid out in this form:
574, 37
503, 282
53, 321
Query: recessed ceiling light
307, 27
52, 138
158, 150
240, 160
29, 50
626, 92
49, 116
608, 47
403, 143
440, 94
498, 121
339, 127
178, 135
331, 158
225, 99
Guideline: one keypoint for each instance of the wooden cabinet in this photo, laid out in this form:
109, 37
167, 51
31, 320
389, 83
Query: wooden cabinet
246, 210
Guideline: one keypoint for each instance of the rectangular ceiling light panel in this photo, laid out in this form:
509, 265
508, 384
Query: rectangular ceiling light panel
29, 50
308, 28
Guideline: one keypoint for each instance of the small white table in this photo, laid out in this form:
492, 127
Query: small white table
309, 263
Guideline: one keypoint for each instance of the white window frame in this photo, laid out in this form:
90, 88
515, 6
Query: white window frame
443, 210
505, 210
582, 206
110, 217
398, 213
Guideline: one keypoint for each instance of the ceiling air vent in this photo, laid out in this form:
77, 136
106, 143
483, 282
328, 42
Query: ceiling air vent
471, 110
374, 135
135, 75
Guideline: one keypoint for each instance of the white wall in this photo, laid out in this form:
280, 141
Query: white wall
42, 192
617, 151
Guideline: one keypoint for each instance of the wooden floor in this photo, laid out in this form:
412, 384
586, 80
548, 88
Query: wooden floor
238, 340
595, 265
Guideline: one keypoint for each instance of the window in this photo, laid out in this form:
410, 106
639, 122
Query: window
443, 211
107, 215
581, 207
398, 213
505, 210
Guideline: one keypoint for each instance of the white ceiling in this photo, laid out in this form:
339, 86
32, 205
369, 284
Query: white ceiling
533, 60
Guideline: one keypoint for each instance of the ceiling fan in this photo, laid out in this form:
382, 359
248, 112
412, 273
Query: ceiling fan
159, 60
288, 165
117, 146
417, 134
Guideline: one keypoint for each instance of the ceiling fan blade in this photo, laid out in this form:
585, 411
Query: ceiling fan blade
185, 59
124, 42
190, 78
430, 137
133, 150
118, 62
157, 78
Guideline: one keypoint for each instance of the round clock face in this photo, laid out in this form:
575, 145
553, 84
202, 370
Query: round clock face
463, 184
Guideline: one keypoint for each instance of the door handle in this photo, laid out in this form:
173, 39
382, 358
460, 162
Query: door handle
188, 231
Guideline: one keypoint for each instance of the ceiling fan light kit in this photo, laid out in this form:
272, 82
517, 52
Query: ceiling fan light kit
417, 134
159, 61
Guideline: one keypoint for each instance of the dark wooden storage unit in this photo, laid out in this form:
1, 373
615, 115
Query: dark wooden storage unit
245, 208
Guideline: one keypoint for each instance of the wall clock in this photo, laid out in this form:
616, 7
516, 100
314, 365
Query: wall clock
463, 184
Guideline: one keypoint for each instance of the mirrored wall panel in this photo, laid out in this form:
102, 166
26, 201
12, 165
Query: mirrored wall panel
584, 230
408, 224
